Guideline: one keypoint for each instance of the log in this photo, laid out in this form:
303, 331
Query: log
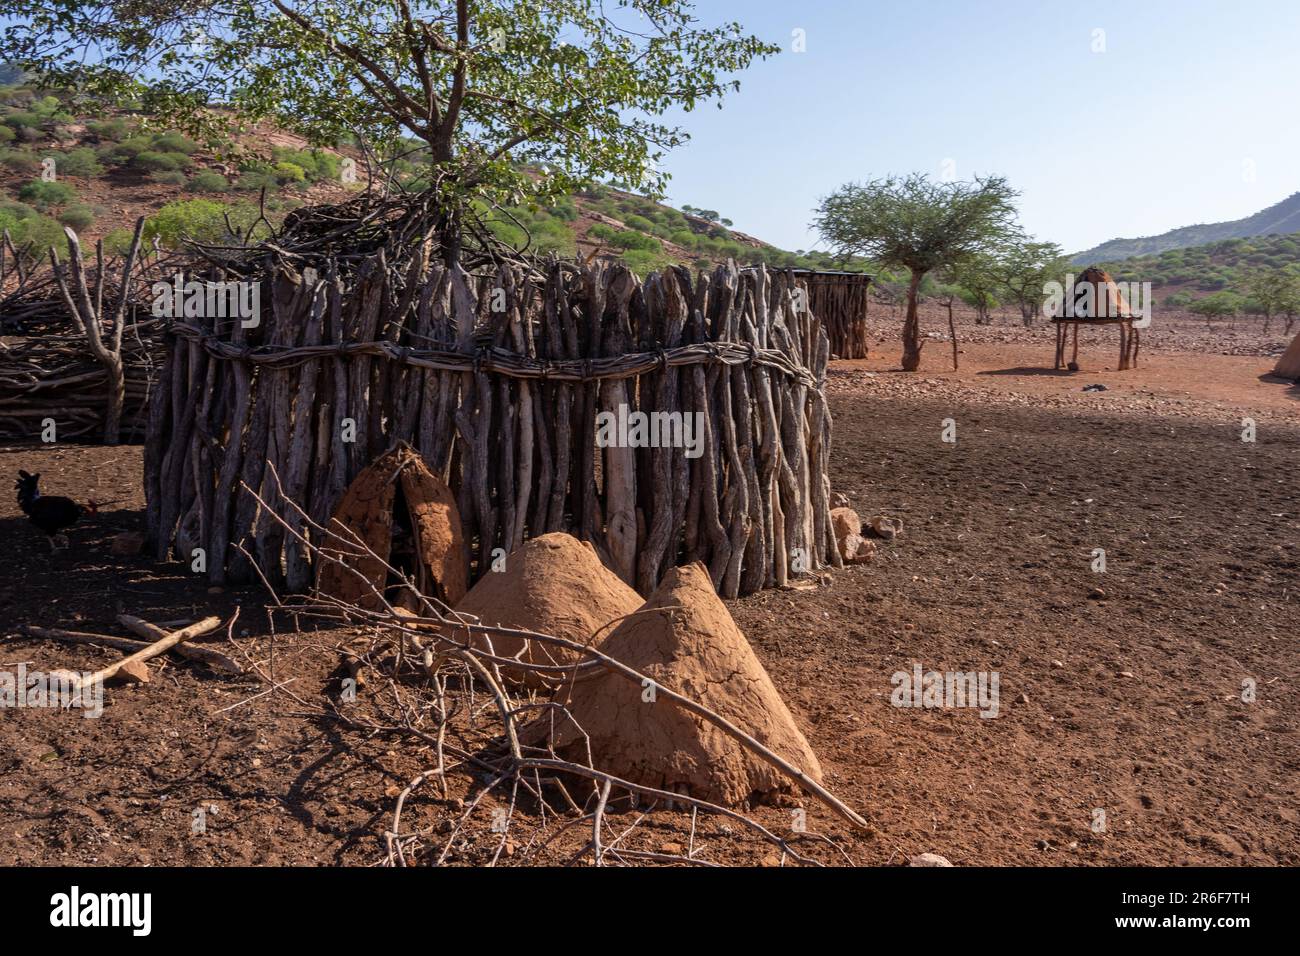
151, 651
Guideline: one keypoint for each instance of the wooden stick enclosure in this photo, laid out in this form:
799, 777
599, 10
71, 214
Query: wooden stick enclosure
840, 299
664, 421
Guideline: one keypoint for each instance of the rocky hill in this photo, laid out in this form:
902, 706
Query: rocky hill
1282, 218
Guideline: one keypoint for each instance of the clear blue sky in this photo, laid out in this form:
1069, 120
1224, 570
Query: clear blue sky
1192, 113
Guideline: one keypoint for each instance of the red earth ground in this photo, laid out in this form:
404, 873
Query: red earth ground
1120, 692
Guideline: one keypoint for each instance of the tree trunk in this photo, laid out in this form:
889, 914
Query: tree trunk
952, 332
912, 327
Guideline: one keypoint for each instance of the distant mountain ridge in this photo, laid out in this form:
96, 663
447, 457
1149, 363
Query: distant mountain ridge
1281, 218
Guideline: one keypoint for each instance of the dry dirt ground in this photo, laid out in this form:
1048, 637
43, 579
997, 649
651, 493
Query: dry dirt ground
1120, 692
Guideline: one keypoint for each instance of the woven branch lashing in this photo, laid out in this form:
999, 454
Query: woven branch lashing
498, 381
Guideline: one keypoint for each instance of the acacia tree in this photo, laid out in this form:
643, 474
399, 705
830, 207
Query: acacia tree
515, 100
978, 279
1275, 291
1022, 270
918, 225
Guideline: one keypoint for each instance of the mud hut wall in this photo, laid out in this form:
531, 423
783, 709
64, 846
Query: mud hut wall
500, 382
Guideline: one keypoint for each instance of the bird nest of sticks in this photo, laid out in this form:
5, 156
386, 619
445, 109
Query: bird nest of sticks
497, 788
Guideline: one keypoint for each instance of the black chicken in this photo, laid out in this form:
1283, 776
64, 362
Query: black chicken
51, 514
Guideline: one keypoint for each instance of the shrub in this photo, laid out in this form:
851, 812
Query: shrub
209, 181
169, 177
15, 209
565, 209
287, 172
254, 180
77, 215
44, 194
6, 135
30, 229
118, 242
174, 143
153, 161
508, 232
17, 121
46, 106
328, 165
112, 130
20, 160
79, 162
639, 223
552, 235
602, 231
129, 148
636, 240
644, 261
201, 219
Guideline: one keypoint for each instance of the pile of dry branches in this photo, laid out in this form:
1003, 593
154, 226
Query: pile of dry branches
83, 347
438, 682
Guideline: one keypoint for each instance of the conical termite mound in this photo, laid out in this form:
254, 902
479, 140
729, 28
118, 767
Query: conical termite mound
684, 639
395, 513
553, 584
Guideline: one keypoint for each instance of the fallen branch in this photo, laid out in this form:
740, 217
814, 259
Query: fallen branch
153, 650
152, 632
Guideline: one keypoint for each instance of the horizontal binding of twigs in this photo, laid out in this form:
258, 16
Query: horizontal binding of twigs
497, 381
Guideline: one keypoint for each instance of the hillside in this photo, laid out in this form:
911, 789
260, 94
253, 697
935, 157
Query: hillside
1282, 218
1187, 274
111, 169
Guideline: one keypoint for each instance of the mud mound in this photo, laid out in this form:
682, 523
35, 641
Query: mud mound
554, 584
693, 647
407, 516
1288, 366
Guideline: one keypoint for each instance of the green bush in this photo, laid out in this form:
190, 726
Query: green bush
201, 219
169, 177
644, 261
508, 232
46, 106
254, 180
77, 215
174, 143
113, 130
6, 135
154, 161
129, 148
15, 209
29, 229
636, 240
78, 162
16, 121
118, 242
552, 235
287, 172
44, 194
639, 223
565, 209
328, 165
209, 181
20, 160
